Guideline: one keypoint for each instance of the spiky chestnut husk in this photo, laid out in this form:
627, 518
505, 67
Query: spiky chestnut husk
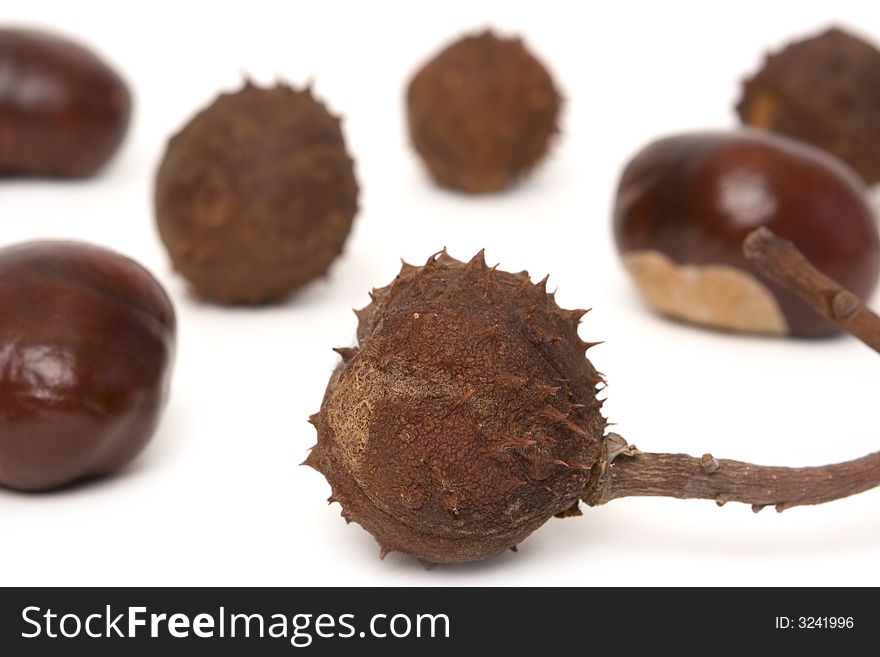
465, 418
824, 90
256, 195
482, 113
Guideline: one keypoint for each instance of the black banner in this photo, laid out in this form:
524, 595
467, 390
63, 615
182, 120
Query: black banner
429, 621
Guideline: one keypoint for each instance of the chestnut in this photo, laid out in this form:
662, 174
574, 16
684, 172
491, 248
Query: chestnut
685, 204
63, 111
87, 342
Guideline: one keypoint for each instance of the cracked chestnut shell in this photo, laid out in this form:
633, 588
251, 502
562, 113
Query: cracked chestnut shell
63, 111
482, 113
86, 348
685, 204
256, 195
465, 418
824, 90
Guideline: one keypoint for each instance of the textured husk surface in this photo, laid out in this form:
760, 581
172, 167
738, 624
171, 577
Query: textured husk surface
466, 416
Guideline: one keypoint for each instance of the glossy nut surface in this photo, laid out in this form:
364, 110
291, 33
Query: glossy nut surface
693, 198
63, 111
86, 347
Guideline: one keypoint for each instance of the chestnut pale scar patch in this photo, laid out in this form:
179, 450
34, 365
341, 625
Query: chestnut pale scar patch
719, 296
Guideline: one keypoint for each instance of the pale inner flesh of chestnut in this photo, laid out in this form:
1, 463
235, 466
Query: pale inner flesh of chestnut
719, 296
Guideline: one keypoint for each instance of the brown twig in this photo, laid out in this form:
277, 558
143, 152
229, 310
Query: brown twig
633, 473
780, 260
685, 477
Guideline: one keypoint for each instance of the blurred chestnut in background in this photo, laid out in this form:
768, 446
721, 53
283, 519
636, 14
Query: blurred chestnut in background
824, 90
86, 348
685, 203
256, 195
482, 113
63, 111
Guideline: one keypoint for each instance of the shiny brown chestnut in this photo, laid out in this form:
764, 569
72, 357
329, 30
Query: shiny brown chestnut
685, 204
63, 111
87, 341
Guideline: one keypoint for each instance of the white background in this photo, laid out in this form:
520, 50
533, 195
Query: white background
218, 498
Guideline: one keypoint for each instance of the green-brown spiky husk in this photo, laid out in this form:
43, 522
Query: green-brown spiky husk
465, 418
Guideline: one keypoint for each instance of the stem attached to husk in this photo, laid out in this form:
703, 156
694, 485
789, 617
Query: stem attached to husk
630, 472
687, 477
